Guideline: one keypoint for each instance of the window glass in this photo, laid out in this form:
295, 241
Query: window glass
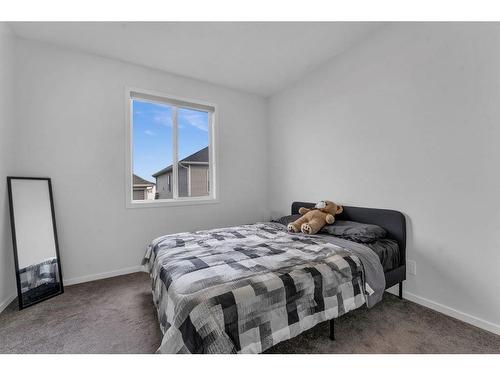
193, 152
152, 149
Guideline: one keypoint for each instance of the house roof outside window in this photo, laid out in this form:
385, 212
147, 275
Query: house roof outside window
140, 182
199, 157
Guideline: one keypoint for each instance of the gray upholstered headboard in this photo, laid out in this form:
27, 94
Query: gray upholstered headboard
392, 221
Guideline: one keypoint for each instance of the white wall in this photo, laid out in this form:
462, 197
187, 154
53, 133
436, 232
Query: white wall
407, 120
71, 127
7, 275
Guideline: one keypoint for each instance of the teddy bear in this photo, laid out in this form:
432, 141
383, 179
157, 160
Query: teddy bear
314, 219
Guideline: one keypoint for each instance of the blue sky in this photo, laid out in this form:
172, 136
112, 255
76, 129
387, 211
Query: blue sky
152, 136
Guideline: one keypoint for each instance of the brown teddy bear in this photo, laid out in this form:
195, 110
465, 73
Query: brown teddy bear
314, 219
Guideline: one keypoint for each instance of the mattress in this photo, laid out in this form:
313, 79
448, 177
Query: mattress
387, 251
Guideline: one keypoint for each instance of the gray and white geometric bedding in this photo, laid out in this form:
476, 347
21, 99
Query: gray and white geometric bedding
373, 271
38, 274
244, 289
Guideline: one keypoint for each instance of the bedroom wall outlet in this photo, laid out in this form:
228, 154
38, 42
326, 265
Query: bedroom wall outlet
411, 266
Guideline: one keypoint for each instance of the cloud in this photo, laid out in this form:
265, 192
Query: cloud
162, 118
162, 115
155, 113
196, 119
149, 132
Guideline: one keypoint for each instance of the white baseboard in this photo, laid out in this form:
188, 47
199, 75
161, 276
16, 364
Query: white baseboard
464, 317
6, 302
104, 275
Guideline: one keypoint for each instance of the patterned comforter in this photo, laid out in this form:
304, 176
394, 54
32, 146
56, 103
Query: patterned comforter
244, 289
38, 274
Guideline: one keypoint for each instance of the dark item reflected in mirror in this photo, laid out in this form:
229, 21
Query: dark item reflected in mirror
34, 239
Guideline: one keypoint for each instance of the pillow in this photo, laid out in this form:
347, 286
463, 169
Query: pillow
354, 231
285, 220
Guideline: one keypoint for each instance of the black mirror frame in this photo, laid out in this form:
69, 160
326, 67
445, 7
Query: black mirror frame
14, 240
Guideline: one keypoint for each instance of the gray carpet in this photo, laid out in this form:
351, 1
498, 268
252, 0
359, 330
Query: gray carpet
116, 315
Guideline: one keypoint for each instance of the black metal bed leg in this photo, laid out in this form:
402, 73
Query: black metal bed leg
401, 290
332, 330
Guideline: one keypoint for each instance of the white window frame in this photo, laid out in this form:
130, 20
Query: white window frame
208, 181
173, 100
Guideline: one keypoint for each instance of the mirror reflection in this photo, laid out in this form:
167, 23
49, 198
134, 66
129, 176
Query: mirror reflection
34, 237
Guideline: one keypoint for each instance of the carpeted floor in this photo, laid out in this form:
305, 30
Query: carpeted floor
116, 315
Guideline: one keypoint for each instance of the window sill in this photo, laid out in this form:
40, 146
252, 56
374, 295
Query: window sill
171, 203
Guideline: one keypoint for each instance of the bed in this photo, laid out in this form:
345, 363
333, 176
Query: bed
243, 289
392, 221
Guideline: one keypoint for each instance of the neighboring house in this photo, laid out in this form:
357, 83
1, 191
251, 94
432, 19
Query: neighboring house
193, 177
142, 189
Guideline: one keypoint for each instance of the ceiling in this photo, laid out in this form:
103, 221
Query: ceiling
256, 57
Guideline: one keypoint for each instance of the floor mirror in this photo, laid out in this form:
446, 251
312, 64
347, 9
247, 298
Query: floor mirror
34, 237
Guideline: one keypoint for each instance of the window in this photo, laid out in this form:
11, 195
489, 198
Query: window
171, 150
208, 181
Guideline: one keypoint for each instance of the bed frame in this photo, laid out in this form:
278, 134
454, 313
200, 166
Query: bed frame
392, 221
